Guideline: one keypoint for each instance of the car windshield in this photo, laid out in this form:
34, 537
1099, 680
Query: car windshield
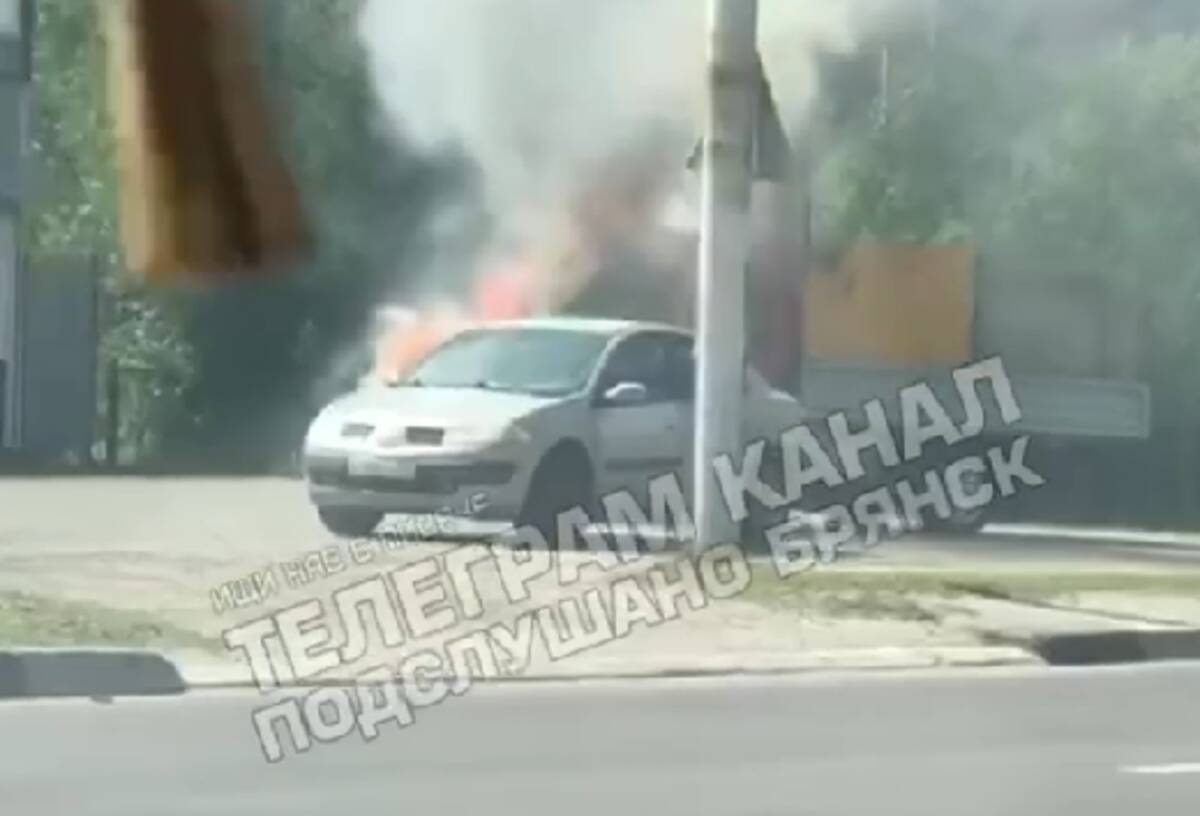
535, 361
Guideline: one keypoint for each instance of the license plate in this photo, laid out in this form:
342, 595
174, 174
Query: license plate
380, 466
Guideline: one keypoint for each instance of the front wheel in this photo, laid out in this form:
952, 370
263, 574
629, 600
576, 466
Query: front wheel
561, 482
349, 522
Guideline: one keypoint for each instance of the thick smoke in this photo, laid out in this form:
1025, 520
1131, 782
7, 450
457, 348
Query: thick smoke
539, 93
545, 94
579, 116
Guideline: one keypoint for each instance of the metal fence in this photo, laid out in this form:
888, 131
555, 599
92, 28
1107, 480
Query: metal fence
59, 339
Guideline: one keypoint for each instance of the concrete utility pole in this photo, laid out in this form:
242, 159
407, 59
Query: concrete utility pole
734, 83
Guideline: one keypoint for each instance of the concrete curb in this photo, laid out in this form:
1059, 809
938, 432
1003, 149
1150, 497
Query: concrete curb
86, 673
201, 674
30, 673
27, 673
33, 673
1118, 647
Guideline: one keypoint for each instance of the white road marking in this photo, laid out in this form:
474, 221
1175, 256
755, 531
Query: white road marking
1171, 769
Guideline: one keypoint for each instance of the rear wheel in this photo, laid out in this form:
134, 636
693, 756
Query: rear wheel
760, 518
758, 522
561, 482
349, 522
964, 521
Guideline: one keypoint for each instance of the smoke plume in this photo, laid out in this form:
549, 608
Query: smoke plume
579, 116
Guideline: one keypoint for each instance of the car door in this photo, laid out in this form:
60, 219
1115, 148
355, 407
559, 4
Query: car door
637, 442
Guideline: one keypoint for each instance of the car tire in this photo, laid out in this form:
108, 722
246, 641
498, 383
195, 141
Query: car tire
962, 521
562, 481
349, 522
755, 526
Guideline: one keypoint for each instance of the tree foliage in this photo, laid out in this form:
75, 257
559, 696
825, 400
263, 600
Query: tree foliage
1081, 162
74, 202
1116, 197
919, 133
1116, 191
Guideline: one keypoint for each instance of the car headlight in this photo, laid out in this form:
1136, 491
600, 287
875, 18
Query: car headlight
480, 436
324, 430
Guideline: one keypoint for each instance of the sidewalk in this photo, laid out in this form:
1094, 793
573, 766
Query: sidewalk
807, 624
160, 547
838, 620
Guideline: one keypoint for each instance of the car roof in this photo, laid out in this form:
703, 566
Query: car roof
591, 325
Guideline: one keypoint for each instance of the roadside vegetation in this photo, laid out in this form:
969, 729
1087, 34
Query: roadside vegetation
29, 620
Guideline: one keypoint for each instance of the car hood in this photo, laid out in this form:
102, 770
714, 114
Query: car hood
439, 407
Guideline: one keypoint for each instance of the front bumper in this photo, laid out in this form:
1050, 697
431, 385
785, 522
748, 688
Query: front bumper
479, 486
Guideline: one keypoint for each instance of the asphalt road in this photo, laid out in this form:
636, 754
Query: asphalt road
1069, 743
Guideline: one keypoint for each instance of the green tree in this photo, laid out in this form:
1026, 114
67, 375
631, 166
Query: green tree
919, 130
74, 201
1117, 187
73, 210
1116, 195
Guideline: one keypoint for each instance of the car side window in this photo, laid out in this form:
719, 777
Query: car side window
662, 363
638, 359
680, 369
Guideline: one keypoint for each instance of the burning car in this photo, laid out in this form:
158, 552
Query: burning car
527, 418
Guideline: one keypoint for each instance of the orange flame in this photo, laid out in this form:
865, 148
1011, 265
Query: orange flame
616, 209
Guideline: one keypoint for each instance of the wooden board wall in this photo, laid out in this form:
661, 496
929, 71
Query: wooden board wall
892, 303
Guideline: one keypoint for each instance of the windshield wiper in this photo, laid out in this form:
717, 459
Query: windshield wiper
532, 390
478, 385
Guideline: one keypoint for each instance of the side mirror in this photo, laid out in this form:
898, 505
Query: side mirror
626, 394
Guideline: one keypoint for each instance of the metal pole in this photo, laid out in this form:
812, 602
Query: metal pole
112, 429
734, 83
